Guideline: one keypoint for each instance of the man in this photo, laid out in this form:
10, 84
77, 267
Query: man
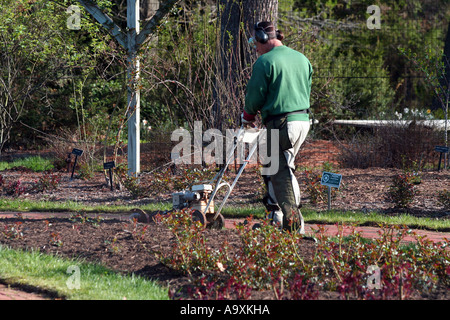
279, 89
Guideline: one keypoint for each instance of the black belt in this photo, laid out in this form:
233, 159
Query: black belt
279, 116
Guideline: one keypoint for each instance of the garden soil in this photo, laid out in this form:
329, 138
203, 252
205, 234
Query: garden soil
112, 241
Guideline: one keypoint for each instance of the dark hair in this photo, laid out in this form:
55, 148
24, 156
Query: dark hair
269, 29
280, 35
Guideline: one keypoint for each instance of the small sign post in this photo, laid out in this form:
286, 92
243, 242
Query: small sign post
77, 153
331, 180
109, 166
441, 150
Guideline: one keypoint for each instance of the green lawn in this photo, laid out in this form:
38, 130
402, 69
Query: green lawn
74, 280
35, 163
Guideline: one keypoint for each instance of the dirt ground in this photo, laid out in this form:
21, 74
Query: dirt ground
112, 243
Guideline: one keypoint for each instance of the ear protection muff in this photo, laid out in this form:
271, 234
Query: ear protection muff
260, 35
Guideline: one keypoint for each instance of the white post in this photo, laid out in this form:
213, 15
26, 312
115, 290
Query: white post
133, 88
131, 41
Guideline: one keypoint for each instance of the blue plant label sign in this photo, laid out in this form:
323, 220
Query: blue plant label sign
109, 165
441, 149
331, 179
77, 152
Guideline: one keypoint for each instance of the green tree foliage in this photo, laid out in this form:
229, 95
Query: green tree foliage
52, 76
359, 72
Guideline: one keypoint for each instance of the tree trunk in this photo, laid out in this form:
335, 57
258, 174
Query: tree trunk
148, 8
445, 80
446, 86
237, 18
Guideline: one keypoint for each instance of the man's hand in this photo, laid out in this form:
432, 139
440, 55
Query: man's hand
247, 120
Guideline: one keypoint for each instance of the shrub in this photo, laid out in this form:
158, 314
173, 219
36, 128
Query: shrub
316, 191
162, 180
131, 183
402, 190
187, 177
444, 198
14, 231
14, 188
391, 147
313, 188
189, 251
47, 181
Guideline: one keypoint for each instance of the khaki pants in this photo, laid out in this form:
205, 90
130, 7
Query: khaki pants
283, 190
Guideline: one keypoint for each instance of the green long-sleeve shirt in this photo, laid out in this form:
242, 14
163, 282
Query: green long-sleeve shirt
280, 83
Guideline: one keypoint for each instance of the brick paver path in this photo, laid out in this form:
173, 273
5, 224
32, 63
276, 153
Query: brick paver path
373, 233
7, 293
366, 232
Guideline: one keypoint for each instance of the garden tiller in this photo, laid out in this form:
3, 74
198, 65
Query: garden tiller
200, 197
